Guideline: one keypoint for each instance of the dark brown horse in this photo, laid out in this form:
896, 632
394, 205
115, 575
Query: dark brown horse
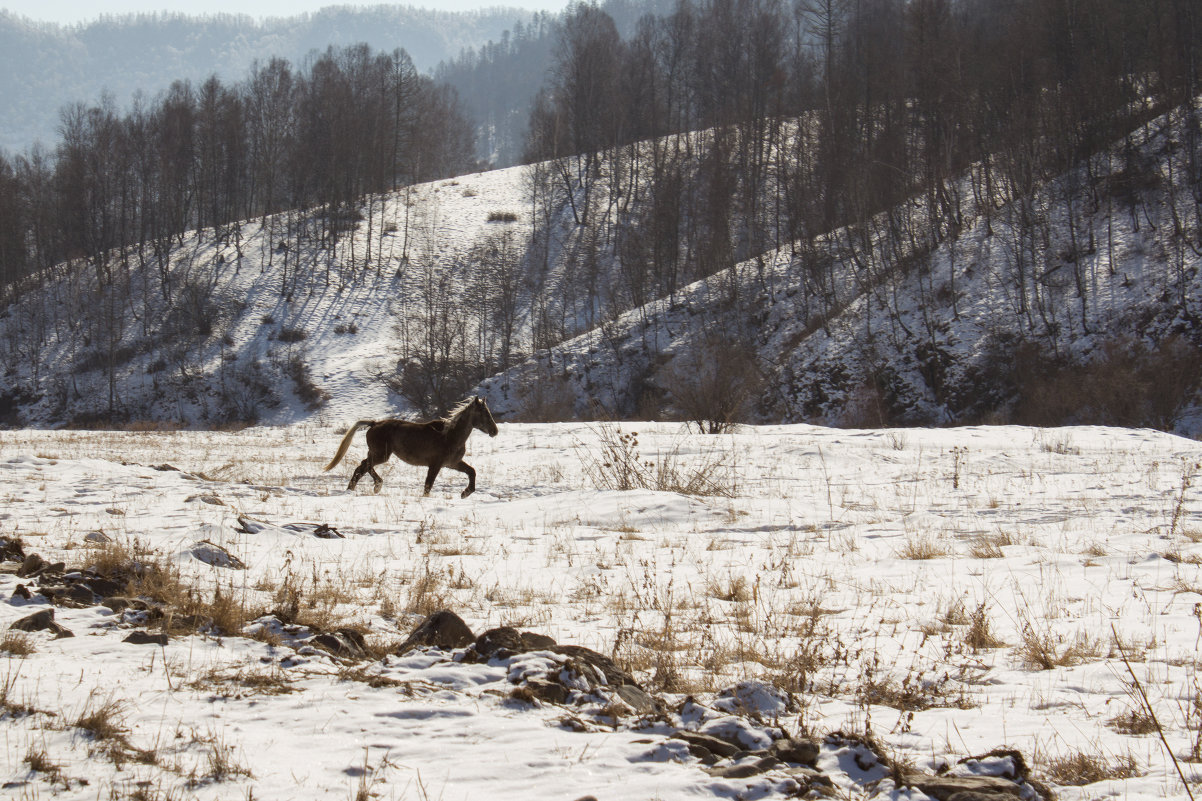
434, 445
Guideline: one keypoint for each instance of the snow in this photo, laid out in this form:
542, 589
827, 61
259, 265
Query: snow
1095, 534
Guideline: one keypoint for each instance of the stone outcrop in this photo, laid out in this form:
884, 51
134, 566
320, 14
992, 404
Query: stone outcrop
733, 738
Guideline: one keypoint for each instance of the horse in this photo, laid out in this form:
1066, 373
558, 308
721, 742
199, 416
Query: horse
434, 444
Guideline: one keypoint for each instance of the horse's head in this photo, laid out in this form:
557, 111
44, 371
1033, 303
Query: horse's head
482, 417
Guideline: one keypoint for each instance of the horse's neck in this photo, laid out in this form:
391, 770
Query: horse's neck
459, 429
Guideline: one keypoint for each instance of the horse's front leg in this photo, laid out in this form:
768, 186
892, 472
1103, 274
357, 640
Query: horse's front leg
431, 474
464, 467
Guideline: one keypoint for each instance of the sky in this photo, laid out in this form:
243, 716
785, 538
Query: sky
70, 11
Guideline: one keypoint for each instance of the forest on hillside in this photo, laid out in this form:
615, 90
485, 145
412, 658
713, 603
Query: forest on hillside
805, 118
662, 148
118, 189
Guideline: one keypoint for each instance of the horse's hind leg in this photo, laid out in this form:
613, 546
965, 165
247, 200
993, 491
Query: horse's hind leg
464, 467
363, 467
368, 465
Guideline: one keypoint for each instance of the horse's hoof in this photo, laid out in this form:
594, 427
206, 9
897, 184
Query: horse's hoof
376, 489
466, 493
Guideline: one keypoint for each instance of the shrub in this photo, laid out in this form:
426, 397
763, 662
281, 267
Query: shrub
502, 216
619, 465
713, 384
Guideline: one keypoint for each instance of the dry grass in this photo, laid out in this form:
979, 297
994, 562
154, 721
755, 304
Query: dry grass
219, 763
1077, 769
186, 609
1042, 650
619, 464
39, 762
17, 643
922, 546
103, 720
242, 682
428, 593
978, 637
1134, 721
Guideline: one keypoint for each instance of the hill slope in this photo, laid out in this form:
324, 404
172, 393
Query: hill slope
1057, 307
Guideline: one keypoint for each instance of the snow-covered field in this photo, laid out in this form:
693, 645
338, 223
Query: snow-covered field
947, 592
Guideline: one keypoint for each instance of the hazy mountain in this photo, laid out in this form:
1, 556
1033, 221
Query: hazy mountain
45, 66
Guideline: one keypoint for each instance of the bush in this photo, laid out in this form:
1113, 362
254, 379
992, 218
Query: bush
313, 396
1127, 383
713, 384
502, 216
619, 464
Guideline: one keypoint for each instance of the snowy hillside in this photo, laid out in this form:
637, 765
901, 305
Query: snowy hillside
1058, 307
840, 612
253, 326
1095, 302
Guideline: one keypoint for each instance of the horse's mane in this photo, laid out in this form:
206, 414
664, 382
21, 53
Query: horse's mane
451, 417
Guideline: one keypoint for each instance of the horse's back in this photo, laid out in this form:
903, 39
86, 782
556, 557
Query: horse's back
416, 443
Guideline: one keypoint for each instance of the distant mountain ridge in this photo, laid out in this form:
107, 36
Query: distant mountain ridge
45, 66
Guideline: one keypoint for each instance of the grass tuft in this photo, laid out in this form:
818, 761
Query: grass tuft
1078, 769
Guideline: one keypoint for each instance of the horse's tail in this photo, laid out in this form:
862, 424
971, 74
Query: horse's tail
346, 443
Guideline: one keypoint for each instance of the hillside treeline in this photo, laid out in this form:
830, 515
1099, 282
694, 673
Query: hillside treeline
316, 139
728, 128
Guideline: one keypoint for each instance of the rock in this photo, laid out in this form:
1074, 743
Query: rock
714, 745
42, 620
798, 751
344, 642
443, 629
637, 698
213, 554
98, 537
38, 621
31, 565
78, 594
614, 675
327, 532
1005, 763
145, 638
498, 643
745, 770
945, 788
756, 699
549, 691
102, 585
533, 641
22, 592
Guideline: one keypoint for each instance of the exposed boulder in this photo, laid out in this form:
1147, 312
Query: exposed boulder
443, 629
141, 637
947, 788
343, 642
216, 555
42, 620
